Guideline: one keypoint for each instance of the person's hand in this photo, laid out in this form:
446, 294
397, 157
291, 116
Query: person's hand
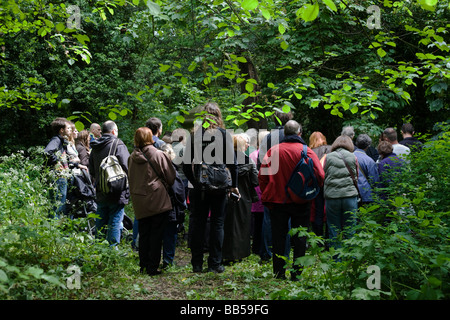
82, 166
236, 191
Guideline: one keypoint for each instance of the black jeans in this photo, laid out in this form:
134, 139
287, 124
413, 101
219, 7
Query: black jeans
280, 215
151, 232
206, 203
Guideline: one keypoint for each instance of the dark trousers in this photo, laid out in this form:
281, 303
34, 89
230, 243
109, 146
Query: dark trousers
280, 215
206, 203
151, 232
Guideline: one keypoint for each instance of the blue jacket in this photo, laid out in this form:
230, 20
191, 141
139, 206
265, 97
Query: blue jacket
368, 176
388, 167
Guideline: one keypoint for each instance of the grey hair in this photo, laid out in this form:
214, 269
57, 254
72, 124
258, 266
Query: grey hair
292, 127
363, 141
348, 131
109, 126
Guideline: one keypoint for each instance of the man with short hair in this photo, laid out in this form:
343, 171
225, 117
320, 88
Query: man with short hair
408, 138
155, 125
390, 135
110, 208
368, 175
282, 207
95, 131
56, 152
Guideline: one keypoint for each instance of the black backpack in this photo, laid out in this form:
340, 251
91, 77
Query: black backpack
213, 178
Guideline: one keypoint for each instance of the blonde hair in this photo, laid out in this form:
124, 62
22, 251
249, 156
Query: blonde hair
167, 149
239, 143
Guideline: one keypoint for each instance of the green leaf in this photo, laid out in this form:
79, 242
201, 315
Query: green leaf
381, 52
309, 12
135, 2
79, 125
265, 13
164, 67
330, 4
154, 8
180, 119
284, 45
60, 27
249, 4
3, 276
249, 87
286, 108
112, 116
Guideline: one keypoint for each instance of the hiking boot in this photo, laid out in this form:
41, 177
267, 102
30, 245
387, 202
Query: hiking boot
197, 269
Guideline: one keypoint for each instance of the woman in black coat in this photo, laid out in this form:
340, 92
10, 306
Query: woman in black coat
237, 226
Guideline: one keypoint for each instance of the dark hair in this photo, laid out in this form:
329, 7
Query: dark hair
408, 128
385, 148
284, 117
58, 124
363, 141
390, 134
154, 124
83, 138
213, 113
142, 137
343, 141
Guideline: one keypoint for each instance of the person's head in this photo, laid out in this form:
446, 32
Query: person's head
240, 143
363, 141
60, 126
167, 137
96, 130
384, 149
348, 131
213, 113
292, 127
317, 139
343, 141
83, 138
167, 149
407, 130
390, 134
110, 127
155, 125
143, 137
73, 132
284, 117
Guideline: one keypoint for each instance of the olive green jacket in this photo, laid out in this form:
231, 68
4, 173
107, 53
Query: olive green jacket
338, 182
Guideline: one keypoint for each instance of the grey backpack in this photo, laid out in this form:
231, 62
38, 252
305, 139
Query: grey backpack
112, 178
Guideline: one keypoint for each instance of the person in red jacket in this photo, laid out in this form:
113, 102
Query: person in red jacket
276, 169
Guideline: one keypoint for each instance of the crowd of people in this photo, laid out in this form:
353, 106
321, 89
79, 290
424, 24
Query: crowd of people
249, 212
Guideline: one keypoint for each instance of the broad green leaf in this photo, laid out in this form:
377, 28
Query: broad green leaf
284, 45
112, 116
265, 13
330, 4
281, 28
154, 8
3, 276
315, 103
309, 12
381, 52
249, 4
135, 2
60, 27
286, 108
249, 87
79, 125
164, 67
180, 119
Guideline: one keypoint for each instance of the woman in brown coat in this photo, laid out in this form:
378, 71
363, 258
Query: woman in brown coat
150, 173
